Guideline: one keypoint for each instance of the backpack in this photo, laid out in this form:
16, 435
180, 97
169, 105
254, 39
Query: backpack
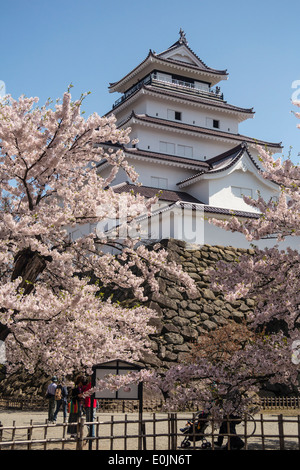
58, 394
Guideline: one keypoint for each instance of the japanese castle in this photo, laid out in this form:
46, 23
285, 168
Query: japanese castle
189, 147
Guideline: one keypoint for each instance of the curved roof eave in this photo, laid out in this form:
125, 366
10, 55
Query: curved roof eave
209, 133
206, 102
228, 168
151, 57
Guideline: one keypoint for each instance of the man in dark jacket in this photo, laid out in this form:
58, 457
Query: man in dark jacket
61, 401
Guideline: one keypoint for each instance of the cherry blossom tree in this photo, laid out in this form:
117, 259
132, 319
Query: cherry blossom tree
52, 314
225, 378
271, 275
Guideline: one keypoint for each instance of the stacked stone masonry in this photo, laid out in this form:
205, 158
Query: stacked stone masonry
180, 319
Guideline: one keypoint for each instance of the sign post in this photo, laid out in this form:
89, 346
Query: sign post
134, 392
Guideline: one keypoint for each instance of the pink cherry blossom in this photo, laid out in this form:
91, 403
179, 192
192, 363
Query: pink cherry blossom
53, 315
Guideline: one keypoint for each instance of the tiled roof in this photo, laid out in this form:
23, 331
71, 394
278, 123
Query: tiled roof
156, 59
232, 153
183, 42
223, 162
218, 210
219, 104
201, 99
179, 199
206, 209
167, 158
231, 212
200, 130
148, 192
195, 67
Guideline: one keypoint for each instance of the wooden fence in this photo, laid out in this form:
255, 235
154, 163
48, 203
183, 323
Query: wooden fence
105, 406
151, 431
277, 403
130, 406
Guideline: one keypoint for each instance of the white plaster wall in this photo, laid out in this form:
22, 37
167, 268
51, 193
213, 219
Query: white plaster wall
174, 223
146, 170
191, 114
214, 235
173, 174
164, 77
199, 190
221, 190
203, 148
222, 194
194, 228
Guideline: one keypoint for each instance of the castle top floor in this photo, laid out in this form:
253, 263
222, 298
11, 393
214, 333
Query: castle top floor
178, 61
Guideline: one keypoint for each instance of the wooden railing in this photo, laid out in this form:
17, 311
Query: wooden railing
128, 406
274, 403
157, 432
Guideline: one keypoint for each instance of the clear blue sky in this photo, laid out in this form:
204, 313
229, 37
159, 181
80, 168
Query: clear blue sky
47, 44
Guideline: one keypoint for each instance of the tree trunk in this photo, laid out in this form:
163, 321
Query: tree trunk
28, 265
4, 332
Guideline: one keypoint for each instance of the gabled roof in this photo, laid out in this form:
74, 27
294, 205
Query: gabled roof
185, 51
221, 163
165, 62
227, 159
181, 46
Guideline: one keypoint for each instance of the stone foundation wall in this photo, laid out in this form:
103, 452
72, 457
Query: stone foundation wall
181, 319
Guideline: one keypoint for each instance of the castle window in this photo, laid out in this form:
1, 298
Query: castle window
213, 123
167, 147
161, 183
174, 115
184, 151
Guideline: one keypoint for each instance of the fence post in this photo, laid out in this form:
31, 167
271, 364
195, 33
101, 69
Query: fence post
173, 429
80, 430
29, 436
280, 430
142, 433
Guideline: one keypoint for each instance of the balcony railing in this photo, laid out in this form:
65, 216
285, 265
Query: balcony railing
173, 84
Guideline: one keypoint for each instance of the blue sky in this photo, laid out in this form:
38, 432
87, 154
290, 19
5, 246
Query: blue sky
46, 45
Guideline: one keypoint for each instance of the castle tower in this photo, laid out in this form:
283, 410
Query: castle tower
189, 145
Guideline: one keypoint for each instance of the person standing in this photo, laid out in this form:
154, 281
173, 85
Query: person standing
75, 407
90, 406
61, 398
51, 397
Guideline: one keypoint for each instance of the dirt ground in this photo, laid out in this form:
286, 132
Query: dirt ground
157, 439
